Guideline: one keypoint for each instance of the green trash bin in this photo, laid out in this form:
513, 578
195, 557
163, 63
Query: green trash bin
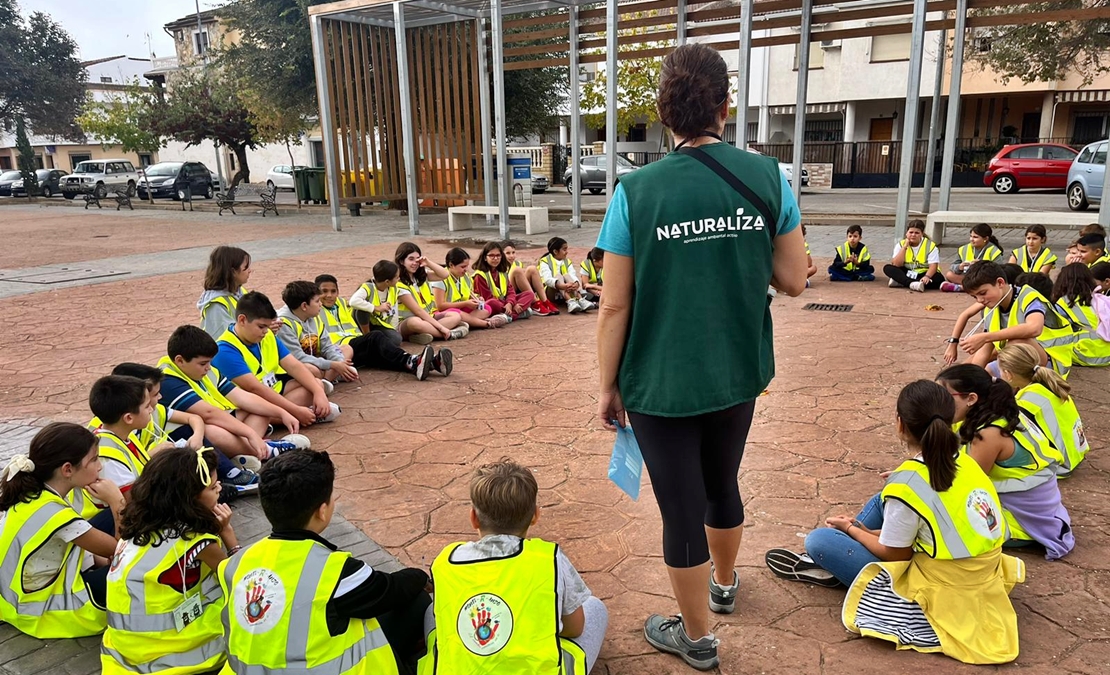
315, 183
300, 184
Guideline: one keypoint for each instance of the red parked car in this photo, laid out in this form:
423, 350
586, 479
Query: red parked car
1029, 165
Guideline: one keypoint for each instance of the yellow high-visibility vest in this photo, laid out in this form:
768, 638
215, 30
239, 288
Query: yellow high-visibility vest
269, 367
845, 252
1059, 421
208, 389
592, 274
558, 267
1045, 256
917, 259
1056, 337
968, 253
499, 290
339, 323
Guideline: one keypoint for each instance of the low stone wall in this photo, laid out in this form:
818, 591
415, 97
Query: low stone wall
820, 175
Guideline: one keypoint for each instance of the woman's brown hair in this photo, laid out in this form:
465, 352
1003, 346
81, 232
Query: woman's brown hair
58, 444
693, 85
223, 262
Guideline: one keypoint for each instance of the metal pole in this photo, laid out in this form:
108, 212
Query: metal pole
1103, 210
487, 124
952, 123
575, 122
909, 127
327, 121
680, 23
743, 74
408, 138
506, 179
934, 123
800, 109
611, 42
215, 145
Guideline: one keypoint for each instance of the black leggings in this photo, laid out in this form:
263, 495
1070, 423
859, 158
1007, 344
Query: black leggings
899, 274
693, 463
376, 350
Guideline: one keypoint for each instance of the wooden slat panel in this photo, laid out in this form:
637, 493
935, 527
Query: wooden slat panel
374, 186
420, 108
341, 101
453, 121
366, 134
334, 83
393, 121
380, 113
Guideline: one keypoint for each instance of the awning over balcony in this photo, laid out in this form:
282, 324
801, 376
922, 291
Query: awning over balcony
811, 108
1083, 96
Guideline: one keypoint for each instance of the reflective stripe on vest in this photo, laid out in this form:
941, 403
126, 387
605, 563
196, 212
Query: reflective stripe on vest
297, 327
458, 290
266, 369
498, 290
1034, 264
1056, 337
208, 389
230, 302
845, 252
152, 434
63, 608
592, 275
139, 640
1090, 349
558, 267
339, 322
518, 596
297, 579
112, 447
966, 519
387, 320
988, 252
516, 265
423, 294
1059, 420
1021, 478
917, 259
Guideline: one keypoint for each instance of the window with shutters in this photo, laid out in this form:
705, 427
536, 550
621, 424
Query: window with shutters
816, 56
890, 48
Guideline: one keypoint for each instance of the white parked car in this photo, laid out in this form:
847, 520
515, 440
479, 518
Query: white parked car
100, 176
281, 176
786, 169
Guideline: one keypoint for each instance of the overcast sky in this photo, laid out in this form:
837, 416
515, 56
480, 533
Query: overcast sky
117, 27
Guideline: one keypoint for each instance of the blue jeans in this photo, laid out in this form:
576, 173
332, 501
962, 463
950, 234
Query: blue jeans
837, 552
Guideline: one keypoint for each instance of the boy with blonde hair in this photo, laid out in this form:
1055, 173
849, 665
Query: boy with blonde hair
494, 597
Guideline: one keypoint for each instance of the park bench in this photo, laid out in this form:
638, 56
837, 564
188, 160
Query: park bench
122, 198
266, 198
462, 217
938, 220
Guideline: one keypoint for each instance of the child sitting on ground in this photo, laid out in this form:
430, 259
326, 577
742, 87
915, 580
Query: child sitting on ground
559, 278
811, 268
294, 601
49, 591
1046, 398
1101, 273
122, 404
303, 334
1010, 314
421, 319
251, 357
592, 270
923, 551
1091, 249
526, 278
1073, 294
1035, 256
455, 293
229, 269
984, 246
853, 260
507, 586
339, 320
375, 302
915, 261
491, 282
164, 599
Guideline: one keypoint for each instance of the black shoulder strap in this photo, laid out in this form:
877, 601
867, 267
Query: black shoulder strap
738, 185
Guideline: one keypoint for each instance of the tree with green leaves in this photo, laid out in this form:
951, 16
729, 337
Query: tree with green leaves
26, 158
123, 121
637, 83
42, 81
1048, 50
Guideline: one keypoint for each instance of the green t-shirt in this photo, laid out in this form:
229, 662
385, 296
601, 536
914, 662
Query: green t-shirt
700, 335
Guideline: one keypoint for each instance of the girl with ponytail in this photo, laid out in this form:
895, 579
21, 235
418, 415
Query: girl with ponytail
41, 524
1045, 397
1015, 454
983, 246
933, 535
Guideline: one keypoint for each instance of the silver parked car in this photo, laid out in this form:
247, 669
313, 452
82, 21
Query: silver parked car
591, 173
1086, 175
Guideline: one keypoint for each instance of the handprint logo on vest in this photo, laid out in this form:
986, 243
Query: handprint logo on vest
259, 601
485, 624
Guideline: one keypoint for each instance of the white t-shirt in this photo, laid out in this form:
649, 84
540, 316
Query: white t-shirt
902, 526
43, 565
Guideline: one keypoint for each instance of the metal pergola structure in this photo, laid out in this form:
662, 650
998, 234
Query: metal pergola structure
399, 81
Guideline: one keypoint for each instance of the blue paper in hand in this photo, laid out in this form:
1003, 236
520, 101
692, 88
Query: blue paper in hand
626, 465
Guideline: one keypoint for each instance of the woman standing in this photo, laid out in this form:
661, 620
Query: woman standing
712, 207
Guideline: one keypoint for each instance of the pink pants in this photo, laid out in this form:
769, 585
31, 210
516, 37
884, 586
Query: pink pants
524, 299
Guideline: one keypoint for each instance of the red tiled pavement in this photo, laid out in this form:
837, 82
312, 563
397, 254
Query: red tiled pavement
404, 450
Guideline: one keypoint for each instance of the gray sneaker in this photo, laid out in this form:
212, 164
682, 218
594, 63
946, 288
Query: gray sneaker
722, 599
420, 339
668, 635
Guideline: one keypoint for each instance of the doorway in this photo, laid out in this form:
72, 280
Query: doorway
1031, 127
882, 129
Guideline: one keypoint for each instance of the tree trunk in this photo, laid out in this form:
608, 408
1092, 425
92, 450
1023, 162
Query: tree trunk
243, 175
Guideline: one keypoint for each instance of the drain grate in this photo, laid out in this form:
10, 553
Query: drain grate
817, 307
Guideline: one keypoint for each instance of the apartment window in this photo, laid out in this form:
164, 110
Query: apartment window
145, 159
824, 131
816, 56
5, 163
983, 44
637, 133
200, 42
77, 158
890, 48
729, 135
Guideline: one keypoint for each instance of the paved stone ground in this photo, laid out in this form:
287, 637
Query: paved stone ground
405, 449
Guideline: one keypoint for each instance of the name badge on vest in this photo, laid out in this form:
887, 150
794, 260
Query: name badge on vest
270, 380
187, 612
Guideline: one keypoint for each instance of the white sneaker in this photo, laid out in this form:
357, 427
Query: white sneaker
574, 307
587, 305
772, 292
892, 284
918, 286
329, 387
247, 462
331, 416
299, 440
